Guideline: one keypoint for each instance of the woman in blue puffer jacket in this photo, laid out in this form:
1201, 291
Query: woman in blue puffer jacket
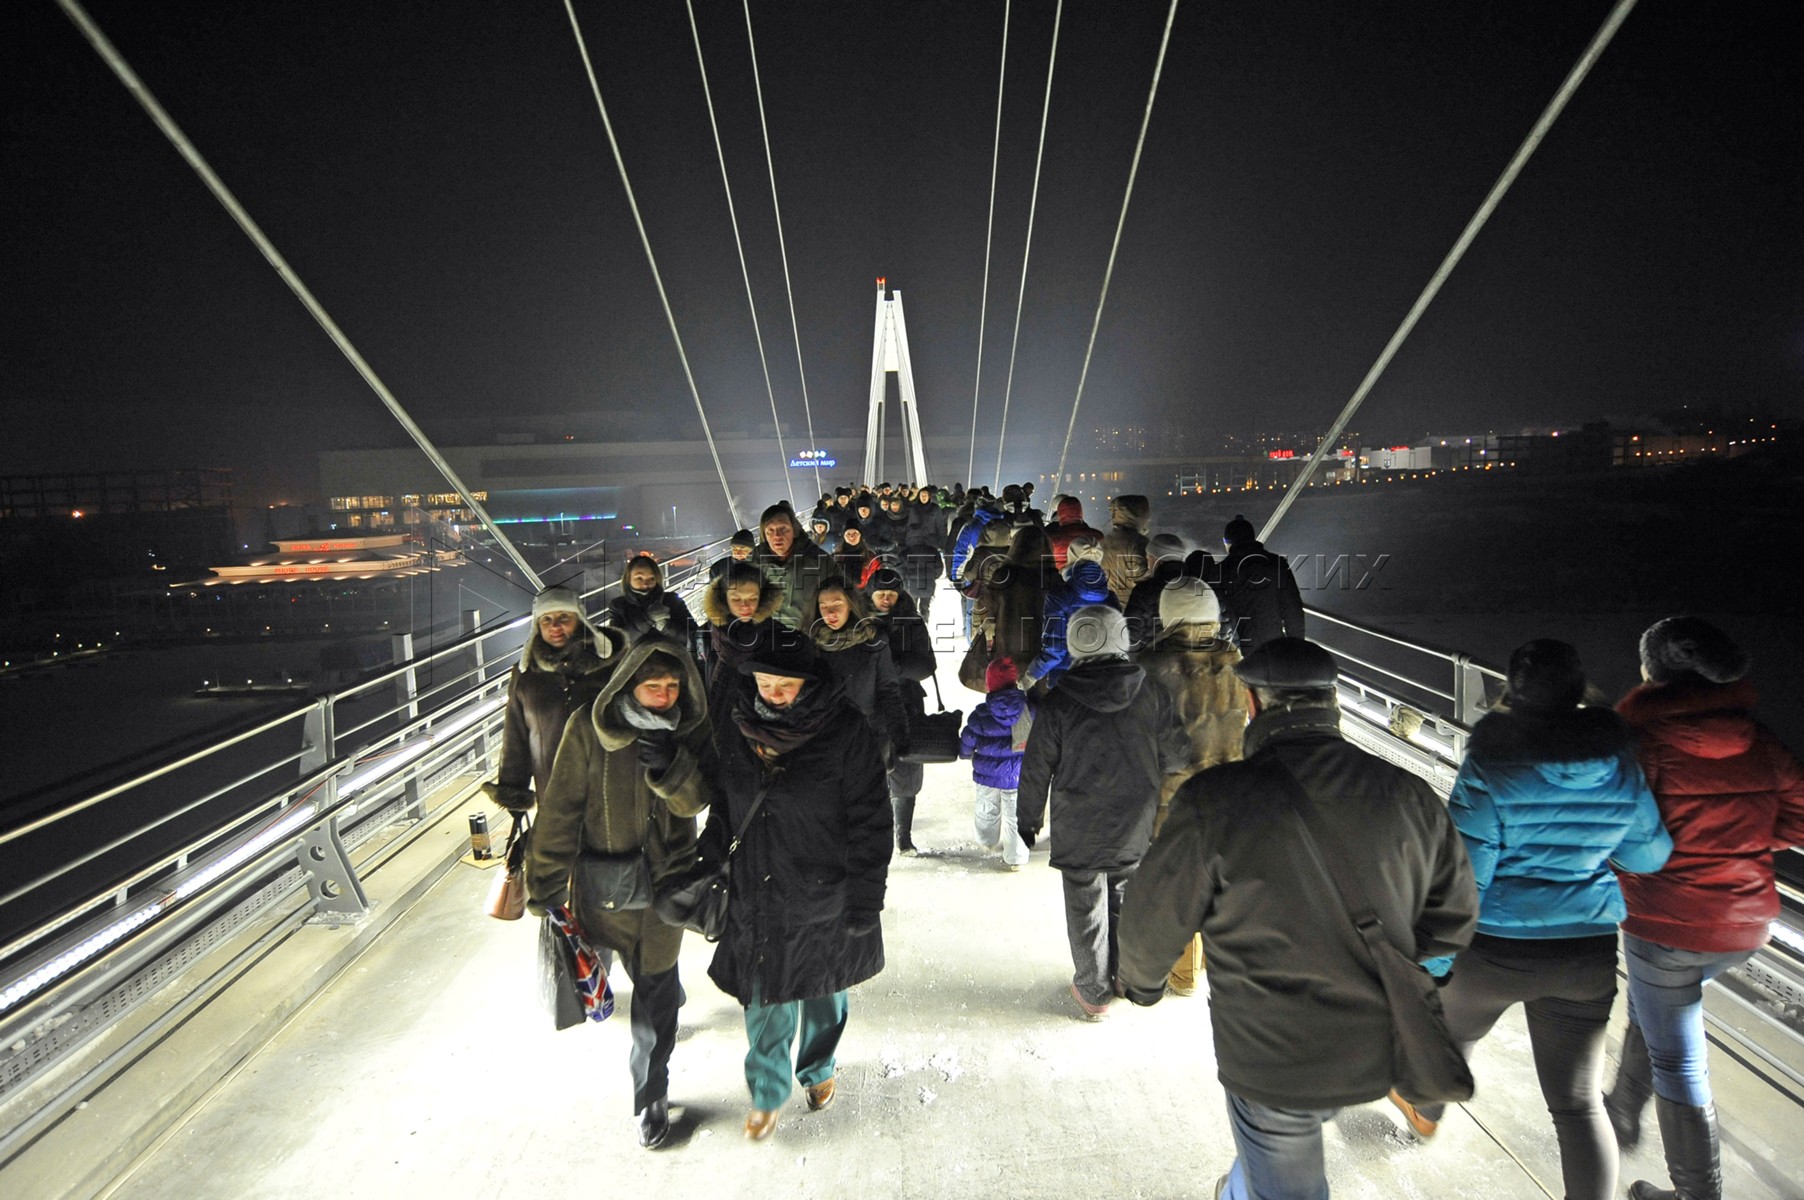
1549, 797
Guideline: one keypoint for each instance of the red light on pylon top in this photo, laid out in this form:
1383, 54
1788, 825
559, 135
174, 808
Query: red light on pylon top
880, 282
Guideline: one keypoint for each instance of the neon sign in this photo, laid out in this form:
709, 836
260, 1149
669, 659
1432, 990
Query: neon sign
819, 459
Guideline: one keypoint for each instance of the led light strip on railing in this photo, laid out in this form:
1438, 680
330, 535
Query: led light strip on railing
287, 826
91, 947
379, 771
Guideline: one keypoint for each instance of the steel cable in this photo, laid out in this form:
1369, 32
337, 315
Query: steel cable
1523, 152
744, 271
988, 238
1033, 204
1115, 246
582, 47
770, 167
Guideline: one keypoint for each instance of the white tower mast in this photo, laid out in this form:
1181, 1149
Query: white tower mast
890, 353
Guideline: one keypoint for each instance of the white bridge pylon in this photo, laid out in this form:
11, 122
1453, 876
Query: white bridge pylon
890, 353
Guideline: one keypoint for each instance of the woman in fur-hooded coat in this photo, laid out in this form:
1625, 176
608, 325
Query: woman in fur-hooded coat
735, 632
632, 771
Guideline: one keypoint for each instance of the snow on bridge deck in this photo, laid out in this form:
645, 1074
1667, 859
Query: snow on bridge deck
428, 1069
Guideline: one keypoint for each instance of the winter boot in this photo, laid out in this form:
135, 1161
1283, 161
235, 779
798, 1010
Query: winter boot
1689, 1132
1634, 1084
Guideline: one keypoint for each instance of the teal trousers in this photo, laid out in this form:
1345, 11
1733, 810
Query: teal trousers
770, 1031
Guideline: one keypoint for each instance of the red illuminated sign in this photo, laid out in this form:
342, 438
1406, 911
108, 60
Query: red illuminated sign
1281, 454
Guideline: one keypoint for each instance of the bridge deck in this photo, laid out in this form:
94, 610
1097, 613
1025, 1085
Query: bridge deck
428, 1069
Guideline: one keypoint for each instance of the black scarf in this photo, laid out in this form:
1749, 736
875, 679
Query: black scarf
777, 731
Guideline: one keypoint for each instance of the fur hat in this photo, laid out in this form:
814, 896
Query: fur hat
1691, 649
1161, 546
1545, 674
999, 674
1239, 530
1188, 602
743, 537
556, 600
1288, 662
1096, 631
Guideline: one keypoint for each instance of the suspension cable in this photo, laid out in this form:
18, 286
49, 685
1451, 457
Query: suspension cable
988, 238
1523, 152
1033, 203
582, 47
744, 271
1120, 221
771, 167
164, 122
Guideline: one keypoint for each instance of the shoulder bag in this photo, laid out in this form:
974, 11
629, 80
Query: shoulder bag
696, 896
933, 737
1426, 1064
507, 896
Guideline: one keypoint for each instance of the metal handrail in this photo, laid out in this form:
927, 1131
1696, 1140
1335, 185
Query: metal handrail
462, 644
341, 764
1431, 651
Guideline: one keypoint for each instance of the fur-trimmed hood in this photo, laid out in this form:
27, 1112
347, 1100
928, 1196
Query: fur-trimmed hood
692, 703
714, 603
1134, 512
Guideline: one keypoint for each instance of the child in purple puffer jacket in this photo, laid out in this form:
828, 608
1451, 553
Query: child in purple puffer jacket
994, 737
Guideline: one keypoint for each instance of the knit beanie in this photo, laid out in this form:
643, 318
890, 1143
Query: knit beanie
1239, 530
1188, 602
744, 537
1096, 631
1545, 675
884, 579
999, 674
1161, 546
1691, 649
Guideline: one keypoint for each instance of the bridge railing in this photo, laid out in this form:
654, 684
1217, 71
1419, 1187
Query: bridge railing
290, 818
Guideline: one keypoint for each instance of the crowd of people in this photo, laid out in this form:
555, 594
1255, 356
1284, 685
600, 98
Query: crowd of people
1157, 713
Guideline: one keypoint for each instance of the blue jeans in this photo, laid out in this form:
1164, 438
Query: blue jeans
1280, 1152
1666, 999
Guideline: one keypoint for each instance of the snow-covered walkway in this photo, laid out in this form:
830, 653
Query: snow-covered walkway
429, 1070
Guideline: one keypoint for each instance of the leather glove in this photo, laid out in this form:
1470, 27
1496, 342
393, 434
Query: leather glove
1029, 836
657, 751
861, 924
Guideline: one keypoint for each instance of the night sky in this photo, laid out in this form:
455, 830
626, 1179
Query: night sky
438, 174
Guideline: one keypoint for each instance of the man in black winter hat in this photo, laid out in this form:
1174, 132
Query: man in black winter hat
1302, 1026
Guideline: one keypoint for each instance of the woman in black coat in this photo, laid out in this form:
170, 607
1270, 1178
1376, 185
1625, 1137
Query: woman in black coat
644, 609
808, 876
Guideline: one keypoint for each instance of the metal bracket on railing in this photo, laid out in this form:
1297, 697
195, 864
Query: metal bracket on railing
317, 735
332, 882
1469, 699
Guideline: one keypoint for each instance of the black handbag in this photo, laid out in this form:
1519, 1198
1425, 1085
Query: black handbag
558, 977
1426, 1064
613, 882
695, 897
933, 737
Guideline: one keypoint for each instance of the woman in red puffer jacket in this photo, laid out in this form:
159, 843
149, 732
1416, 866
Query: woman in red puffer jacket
1730, 795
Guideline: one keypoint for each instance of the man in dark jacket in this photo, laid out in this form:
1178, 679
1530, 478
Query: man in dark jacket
1301, 1023
1257, 587
792, 562
566, 661
1102, 743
